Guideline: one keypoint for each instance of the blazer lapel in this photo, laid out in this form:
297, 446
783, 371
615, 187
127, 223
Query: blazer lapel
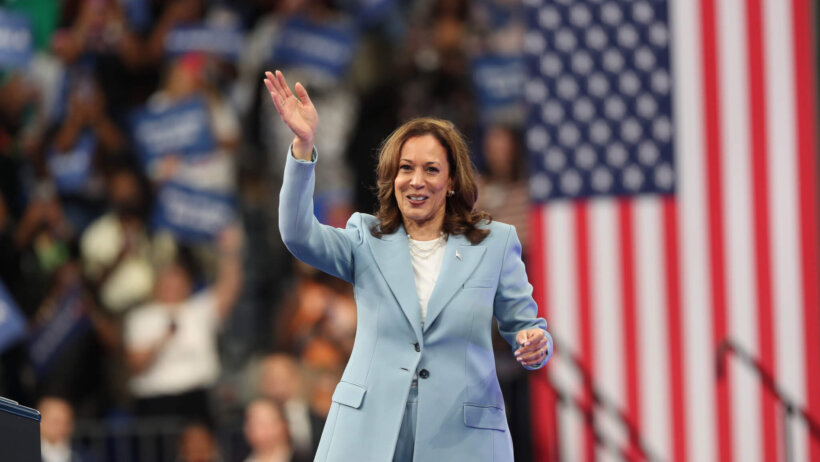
460, 260
393, 259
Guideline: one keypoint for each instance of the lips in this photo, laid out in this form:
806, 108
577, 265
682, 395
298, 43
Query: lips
416, 200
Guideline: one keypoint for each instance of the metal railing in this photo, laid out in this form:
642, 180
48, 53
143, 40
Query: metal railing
791, 410
145, 440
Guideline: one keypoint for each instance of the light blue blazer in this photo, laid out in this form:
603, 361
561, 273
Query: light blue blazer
461, 414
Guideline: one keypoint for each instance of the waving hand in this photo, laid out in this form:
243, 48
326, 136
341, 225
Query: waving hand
296, 111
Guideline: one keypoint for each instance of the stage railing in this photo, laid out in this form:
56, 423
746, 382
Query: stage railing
791, 410
144, 440
599, 402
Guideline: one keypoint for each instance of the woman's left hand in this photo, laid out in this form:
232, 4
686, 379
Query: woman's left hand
533, 347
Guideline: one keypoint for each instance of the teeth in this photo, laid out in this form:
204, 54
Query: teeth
417, 198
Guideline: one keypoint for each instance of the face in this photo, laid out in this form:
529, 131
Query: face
173, 285
264, 426
279, 379
422, 181
196, 445
57, 420
499, 149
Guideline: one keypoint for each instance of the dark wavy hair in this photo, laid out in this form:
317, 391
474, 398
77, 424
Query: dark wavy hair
459, 216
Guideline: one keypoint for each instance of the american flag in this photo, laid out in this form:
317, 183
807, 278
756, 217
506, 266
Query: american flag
674, 161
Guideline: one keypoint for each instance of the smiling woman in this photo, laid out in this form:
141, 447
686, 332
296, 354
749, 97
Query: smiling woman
416, 160
423, 344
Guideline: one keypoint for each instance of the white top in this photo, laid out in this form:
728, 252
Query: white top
426, 271
58, 452
190, 359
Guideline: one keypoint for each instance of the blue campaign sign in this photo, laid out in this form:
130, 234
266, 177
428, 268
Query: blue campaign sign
68, 320
71, 169
373, 11
12, 322
182, 129
16, 40
193, 215
226, 42
325, 48
499, 81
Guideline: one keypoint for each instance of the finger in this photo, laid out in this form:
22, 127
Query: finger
270, 87
530, 356
531, 347
274, 96
302, 93
283, 84
276, 87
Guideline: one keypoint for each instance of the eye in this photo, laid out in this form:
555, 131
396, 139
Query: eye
405, 167
432, 169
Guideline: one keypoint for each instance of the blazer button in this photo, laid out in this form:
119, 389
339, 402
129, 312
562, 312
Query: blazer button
424, 373
417, 347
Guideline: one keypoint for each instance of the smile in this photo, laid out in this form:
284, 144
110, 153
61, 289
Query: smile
416, 200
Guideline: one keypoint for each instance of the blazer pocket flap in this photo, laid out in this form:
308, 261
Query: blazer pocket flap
349, 394
479, 283
489, 417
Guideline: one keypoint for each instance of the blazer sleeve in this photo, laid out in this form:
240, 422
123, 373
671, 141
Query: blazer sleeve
514, 307
324, 247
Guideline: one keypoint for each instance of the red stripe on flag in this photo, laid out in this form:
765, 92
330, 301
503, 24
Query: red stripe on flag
805, 99
630, 339
585, 320
713, 154
545, 442
675, 329
755, 36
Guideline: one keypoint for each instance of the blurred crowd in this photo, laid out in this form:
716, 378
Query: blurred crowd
140, 164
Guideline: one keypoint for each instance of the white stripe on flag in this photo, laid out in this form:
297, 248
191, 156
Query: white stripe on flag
563, 300
607, 322
653, 350
783, 225
738, 225
696, 304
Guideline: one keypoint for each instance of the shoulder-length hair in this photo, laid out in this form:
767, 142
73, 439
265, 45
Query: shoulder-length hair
459, 216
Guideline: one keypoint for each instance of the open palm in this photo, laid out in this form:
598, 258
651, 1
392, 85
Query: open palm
297, 111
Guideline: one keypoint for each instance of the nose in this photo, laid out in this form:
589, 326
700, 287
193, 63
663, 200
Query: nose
417, 180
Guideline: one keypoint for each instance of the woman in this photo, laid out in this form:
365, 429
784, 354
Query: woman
429, 274
267, 432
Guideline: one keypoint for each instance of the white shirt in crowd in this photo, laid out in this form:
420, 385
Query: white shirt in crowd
58, 452
190, 359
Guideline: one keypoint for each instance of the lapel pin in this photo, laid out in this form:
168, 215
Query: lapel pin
458, 255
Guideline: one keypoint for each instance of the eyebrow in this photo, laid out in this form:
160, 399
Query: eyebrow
432, 162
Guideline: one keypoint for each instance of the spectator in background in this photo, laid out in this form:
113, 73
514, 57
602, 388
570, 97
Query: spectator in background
82, 142
42, 239
116, 249
503, 189
170, 342
68, 341
280, 380
188, 77
21, 125
318, 306
56, 428
100, 30
436, 78
197, 444
266, 432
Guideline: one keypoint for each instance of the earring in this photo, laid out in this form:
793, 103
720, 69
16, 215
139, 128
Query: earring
450, 193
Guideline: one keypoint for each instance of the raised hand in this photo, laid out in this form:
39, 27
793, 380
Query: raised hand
297, 113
